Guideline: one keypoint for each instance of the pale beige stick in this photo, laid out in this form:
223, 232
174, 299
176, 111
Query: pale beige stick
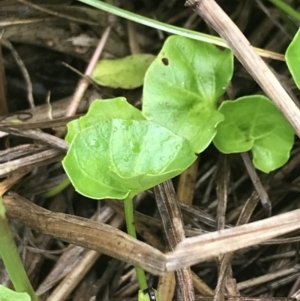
224, 266
115, 243
267, 278
210, 11
32, 161
199, 248
70, 257
83, 83
46, 138
185, 193
71, 281
260, 189
24, 21
166, 286
201, 286
86, 233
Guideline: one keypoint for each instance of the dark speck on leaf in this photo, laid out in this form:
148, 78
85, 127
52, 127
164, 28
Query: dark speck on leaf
165, 61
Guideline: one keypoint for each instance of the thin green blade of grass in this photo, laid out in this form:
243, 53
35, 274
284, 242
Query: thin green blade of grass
11, 258
170, 28
154, 23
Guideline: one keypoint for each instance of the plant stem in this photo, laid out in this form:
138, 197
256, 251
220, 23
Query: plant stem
11, 258
57, 189
154, 23
128, 208
199, 36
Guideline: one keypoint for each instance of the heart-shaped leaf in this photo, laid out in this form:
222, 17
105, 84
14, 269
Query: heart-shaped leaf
254, 123
292, 57
7, 294
182, 87
126, 73
103, 109
116, 158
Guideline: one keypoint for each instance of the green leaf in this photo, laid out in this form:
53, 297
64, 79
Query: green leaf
126, 73
254, 123
182, 87
103, 109
7, 294
292, 57
116, 158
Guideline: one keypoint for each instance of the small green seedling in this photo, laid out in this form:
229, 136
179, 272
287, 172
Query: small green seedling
126, 73
116, 158
116, 151
181, 91
13, 264
254, 123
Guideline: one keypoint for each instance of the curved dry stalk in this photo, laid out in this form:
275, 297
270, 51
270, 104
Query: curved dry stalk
80, 231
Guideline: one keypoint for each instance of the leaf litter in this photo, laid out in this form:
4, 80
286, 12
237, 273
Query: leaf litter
269, 269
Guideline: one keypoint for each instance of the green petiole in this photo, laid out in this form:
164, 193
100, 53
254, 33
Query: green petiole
57, 189
11, 258
128, 208
145, 293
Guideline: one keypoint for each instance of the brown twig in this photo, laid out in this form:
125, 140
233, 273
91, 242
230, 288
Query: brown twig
53, 141
30, 162
85, 233
222, 194
264, 198
169, 209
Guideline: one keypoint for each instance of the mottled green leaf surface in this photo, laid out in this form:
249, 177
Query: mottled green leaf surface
292, 57
103, 109
7, 294
126, 73
116, 158
182, 87
254, 123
